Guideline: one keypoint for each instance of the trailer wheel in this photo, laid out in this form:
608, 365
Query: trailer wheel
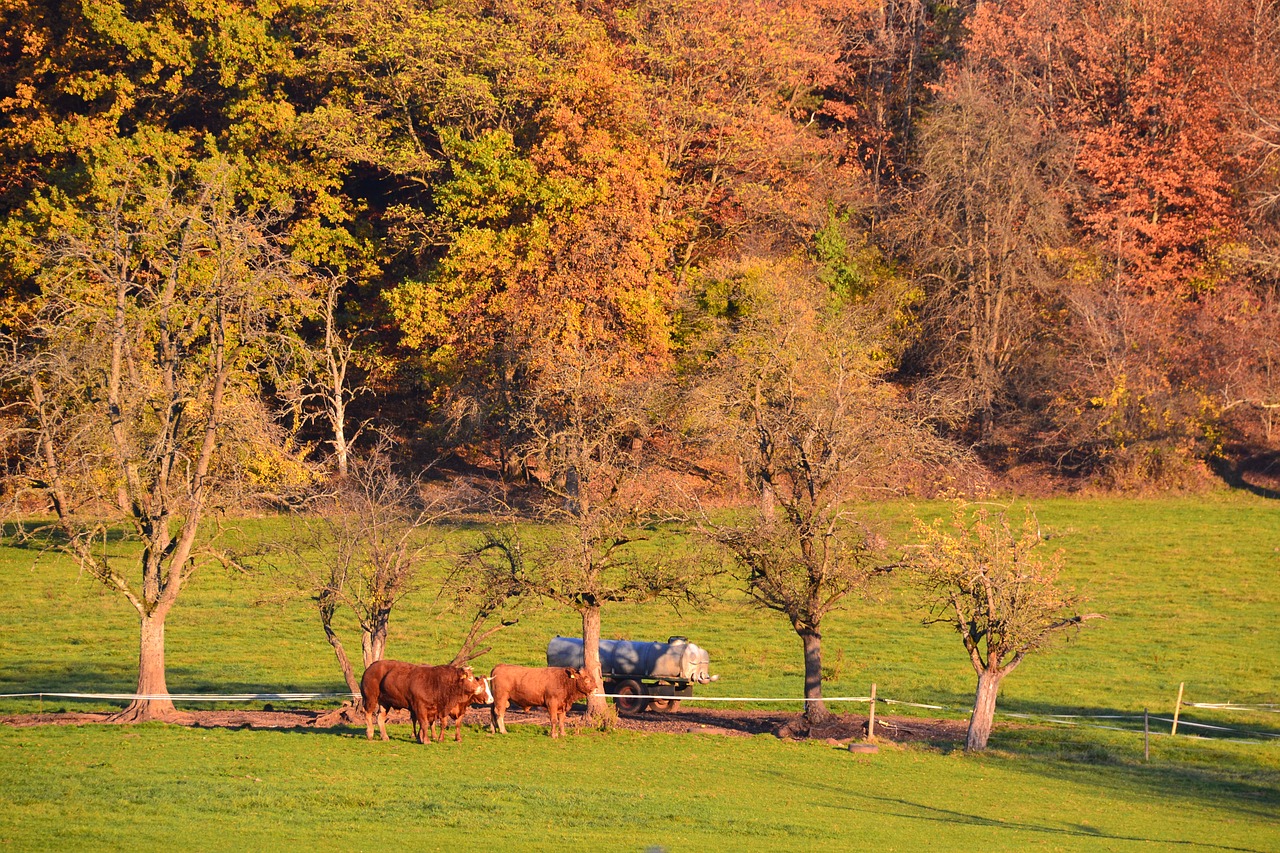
630, 697
664, 705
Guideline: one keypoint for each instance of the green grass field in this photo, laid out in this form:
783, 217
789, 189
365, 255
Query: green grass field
107, 788
1188, 586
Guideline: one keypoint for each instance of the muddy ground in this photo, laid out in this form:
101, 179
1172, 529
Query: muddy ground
688, 720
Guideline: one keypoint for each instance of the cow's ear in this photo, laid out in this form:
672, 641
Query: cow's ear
572, 673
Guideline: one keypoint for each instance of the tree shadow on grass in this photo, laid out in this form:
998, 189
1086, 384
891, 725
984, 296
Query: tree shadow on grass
1240, 782
121, 676
919, 811
1237, 474
45, 535
911, 810
1191, 766
40, 676
1191, 722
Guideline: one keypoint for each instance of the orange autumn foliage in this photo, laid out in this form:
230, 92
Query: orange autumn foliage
1146, 90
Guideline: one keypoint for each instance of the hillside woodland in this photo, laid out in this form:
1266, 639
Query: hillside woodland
1029, 240
609, 263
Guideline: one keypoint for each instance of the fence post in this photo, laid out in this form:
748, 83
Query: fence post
871, 718
1177, 709
1146, 736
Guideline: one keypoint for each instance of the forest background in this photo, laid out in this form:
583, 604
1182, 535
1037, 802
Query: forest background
1051, 229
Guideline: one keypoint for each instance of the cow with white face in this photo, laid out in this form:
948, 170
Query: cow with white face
480, 695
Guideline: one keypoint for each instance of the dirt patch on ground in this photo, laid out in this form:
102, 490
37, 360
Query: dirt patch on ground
842, 729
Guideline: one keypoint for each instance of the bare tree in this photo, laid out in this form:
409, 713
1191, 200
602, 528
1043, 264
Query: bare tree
588, 428
326, 382
1257, 133
137, 381
493, 587
983, 224
796, 392
989, 582
363, 548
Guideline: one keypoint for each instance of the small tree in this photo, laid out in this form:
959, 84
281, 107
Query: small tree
365, 545
138, 378
990, 583
587, 431
323, 388
795, 391
490, 579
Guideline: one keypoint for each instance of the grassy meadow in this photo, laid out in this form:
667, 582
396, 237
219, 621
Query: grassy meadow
98, 787
1188, 586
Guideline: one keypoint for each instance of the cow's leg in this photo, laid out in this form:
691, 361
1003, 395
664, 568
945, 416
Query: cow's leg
425, 724
368, 722
499, 714
457, 731
382, 722
555, 712
417, 724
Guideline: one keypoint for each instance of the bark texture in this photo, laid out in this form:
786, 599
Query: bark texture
815, 710
596, 703
984, 711
151, 677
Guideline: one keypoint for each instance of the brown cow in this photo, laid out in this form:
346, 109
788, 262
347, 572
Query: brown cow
426, 691
481, 696
554, 688
384, 685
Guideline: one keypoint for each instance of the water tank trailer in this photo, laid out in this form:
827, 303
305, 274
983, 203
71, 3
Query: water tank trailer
641, 674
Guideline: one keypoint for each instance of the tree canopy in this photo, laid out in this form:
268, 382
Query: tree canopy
1080, 197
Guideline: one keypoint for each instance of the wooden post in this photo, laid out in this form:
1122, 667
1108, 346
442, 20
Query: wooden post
1146, 736
871, 717
1177, 709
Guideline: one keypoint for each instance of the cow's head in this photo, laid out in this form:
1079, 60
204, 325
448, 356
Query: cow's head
476, 687
581, 678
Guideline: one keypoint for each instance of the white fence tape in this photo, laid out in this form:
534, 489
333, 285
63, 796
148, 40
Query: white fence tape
1184, 722
737, 698
187, 697
1233, 706
1060, 719
1069, 722
912, 704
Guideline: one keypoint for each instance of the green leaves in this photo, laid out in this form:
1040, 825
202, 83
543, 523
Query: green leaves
989, 580
491, 182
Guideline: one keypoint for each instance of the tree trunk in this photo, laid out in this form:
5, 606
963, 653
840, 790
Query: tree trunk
984, 710
591, 659
340, 450
373, 645
768, 510
572, 490
348, 675
815, 712
151, 681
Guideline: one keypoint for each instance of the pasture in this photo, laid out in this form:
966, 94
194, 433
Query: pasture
1188, 586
